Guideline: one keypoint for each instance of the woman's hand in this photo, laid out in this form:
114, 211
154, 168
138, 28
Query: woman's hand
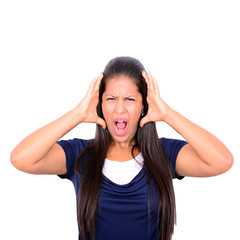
204, 155
39, 153
87, 108
157, 108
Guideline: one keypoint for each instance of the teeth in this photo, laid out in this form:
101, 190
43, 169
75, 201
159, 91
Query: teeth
119, 129
119, 122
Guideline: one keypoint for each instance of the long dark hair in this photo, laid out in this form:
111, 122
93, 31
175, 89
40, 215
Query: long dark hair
146, 139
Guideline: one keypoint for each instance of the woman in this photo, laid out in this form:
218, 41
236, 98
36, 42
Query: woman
123, 177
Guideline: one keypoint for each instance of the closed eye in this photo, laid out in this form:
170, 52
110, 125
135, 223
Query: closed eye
130, 99
111, 99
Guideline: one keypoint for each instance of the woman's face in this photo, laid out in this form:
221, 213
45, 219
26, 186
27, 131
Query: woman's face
121, 106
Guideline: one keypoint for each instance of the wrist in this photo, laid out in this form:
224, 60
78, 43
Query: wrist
75, 116
169, 115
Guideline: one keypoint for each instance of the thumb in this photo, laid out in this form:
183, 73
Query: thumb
101, 122
143, 121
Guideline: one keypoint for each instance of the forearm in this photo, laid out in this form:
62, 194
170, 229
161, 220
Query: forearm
35, 146
209, 149
205, 155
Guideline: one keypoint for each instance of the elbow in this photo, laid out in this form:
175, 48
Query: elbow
226, 163
18, 162
229, 162
14, 159
23, 163
221, 164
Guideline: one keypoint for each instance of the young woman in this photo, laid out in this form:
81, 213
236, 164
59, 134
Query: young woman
123, 177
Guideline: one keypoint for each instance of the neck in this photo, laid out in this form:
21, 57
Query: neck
122, 151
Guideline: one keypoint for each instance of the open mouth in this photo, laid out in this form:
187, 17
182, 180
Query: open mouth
120, 126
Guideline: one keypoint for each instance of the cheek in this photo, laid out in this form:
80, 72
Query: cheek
103, 110
136, 113
106, 111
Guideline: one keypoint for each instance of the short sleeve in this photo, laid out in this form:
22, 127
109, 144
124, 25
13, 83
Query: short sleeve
172, 148
72, 149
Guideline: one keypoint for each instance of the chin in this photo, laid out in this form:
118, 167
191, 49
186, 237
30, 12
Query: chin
124, 139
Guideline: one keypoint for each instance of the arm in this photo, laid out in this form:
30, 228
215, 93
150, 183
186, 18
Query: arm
39, 153
204, 155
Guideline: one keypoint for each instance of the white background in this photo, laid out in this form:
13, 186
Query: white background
49, 53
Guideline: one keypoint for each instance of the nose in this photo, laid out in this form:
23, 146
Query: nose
120, 107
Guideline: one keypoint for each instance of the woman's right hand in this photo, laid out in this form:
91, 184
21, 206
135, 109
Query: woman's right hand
87, 108
39, 152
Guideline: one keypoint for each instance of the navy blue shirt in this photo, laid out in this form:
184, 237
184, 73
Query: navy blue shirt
123, 212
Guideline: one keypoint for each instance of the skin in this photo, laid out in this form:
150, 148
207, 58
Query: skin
203, 156
121, 99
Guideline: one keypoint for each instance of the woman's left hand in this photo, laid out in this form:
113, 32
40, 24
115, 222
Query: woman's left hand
157, 108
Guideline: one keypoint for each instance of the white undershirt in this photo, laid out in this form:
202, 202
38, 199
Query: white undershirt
123, 172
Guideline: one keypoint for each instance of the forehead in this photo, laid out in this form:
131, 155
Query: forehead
121, 84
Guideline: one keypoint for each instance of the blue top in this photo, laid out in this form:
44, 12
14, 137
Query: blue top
123, 209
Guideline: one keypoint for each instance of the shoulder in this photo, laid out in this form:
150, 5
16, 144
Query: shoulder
75, 144
73, 147
172, 146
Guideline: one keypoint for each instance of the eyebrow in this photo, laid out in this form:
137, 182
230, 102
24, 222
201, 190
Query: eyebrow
131, 95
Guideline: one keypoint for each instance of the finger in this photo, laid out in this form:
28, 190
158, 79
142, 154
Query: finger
155, 84
145, 76
143, 121
101, 122
98, 81
94, 85
150, 80
91, 87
